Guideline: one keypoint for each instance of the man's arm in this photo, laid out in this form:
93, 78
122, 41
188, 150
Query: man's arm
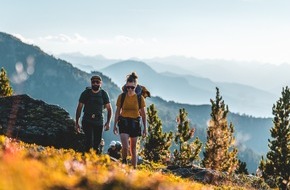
117, 113
109, 116
78, 114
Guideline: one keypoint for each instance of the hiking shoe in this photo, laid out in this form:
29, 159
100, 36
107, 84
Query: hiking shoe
124, 161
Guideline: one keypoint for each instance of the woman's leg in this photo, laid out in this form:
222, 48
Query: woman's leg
125, 146
133, 144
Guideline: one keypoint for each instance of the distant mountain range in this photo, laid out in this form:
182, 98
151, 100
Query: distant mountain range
248, 87
56, 81
263, 76
87, 63
194, 90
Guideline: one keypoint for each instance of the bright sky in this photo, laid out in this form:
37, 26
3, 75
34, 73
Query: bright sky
251, 30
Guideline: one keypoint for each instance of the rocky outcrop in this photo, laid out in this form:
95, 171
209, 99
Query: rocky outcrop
208, 176
34, 121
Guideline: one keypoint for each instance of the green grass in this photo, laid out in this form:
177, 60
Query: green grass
29, 166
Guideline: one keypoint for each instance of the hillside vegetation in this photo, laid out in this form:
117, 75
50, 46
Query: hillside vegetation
29, 166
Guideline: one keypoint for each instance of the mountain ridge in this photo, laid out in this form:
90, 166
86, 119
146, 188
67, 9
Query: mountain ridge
260, 106
260, 75
194, 90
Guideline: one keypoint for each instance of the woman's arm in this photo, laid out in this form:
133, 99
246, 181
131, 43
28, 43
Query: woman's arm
144, 120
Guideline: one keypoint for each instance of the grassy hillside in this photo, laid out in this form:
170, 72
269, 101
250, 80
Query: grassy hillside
28, 166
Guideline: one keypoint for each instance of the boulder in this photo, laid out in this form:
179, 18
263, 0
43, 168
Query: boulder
198, 174
217, 178
34, 121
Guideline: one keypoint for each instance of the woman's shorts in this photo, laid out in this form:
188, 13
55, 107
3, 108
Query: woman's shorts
130, 126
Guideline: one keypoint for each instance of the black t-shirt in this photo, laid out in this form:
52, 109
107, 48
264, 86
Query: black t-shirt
94, 105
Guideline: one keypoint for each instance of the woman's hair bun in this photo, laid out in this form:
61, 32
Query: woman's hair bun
132, 77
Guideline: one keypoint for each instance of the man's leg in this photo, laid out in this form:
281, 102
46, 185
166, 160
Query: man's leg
88, 134
98, 133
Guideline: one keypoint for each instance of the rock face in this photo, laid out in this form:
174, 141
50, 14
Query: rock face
34, 121
217, 178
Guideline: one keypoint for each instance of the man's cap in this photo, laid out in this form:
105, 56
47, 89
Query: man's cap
96, 77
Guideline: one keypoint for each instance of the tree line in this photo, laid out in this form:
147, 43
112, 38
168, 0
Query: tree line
220, 152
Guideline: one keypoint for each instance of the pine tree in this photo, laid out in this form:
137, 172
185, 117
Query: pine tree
260, 170
242, 168
265, 170
277, 165
188, 152
220, 153
157, 143
5, 88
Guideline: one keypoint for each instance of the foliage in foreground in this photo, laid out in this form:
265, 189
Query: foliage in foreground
24, 166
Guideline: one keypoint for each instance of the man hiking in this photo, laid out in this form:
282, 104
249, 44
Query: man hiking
94, 100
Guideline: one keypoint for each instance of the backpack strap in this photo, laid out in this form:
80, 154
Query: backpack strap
103, 95
88, 94
139, 100
123, 95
